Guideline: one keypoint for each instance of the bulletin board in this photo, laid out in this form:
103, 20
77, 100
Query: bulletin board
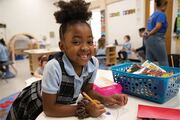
103, 25
124, 19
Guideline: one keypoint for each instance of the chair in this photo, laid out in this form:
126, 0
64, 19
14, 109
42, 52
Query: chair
4, 73
174, 60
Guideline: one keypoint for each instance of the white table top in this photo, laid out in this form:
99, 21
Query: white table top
42, 51
127, 112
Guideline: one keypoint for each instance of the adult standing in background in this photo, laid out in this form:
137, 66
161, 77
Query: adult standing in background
155, 35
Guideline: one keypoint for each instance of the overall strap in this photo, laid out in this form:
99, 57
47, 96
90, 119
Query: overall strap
66, 91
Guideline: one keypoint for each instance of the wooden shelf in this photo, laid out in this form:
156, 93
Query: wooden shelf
111, 55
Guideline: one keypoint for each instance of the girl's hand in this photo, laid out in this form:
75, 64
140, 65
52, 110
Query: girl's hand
116, 99
95, 110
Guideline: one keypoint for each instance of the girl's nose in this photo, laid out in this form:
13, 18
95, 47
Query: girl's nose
84, 48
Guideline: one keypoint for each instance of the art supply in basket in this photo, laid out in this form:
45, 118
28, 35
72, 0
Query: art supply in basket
150, 69
134, 68
152, 66
156, 73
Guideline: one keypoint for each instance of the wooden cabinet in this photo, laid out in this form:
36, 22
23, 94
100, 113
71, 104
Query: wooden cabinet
110, 55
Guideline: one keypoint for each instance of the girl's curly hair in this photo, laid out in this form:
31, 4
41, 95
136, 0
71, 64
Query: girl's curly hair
71, 12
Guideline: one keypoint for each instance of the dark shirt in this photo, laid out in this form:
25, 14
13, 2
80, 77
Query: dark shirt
142, 48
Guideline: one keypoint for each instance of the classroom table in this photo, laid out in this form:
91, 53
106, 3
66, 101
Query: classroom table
35, 53
127, 112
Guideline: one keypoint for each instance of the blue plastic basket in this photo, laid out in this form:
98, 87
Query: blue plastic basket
156, 89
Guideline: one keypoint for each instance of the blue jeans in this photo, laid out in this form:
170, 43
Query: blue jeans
102, 63
156, 49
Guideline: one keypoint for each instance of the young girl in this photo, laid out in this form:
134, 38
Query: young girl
74, 70
70, 72
126, 48
101, 52
42, 62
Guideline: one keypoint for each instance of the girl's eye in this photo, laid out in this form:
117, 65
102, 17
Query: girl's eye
90, 42
76, 42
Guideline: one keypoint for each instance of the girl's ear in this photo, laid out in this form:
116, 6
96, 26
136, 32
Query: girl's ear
61, 45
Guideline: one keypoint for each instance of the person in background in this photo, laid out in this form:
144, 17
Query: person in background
103, 36
155, 34
101, 52
4, 60
42, 62
126, 48
142, 50
42, 43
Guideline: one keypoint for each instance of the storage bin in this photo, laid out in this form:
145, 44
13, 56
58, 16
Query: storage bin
156, 89
108, 90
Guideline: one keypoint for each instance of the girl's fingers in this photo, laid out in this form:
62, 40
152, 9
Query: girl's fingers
126, 99
102, 111
122, 99
100, 106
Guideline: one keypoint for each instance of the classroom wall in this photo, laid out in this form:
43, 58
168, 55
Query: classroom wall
118, 26
36, 17
109, 4
95, 23
29, 16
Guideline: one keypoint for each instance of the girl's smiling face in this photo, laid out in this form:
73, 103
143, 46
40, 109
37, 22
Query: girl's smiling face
77, 44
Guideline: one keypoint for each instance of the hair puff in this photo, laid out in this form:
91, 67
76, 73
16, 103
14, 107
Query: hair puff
72, 11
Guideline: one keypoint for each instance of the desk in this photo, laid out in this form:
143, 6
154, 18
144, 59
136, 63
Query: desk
127, 112
31, 80
35, 53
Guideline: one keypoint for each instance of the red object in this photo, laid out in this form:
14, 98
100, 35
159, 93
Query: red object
108, 90
158, 113
6, 104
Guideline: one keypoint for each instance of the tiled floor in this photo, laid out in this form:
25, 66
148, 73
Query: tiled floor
18, 83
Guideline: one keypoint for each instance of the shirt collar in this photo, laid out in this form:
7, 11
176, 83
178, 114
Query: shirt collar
88, 68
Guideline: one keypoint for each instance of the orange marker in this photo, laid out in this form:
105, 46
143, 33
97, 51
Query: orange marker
87, 97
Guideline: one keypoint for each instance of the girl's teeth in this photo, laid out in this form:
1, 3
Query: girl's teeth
84, 56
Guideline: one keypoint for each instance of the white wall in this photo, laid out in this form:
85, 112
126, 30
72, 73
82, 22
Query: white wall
122, 25
29, 16
95, 23
36, 17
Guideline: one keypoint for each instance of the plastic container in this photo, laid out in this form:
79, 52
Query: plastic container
156, 89
108, 90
